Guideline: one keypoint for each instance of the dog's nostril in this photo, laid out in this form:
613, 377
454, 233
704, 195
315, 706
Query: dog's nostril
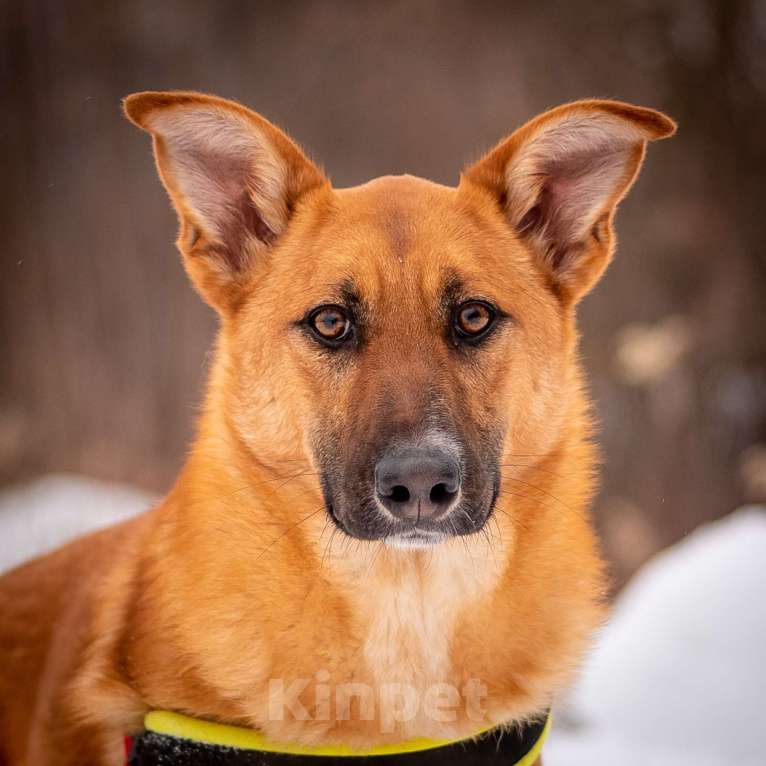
440, 494
400, 494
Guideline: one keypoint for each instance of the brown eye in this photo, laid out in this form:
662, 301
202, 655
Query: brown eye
473, 319
330, 323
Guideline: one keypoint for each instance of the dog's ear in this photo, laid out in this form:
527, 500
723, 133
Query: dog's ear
559, 178
233, 177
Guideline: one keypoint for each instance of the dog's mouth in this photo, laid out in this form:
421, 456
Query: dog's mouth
371, 525
409, 537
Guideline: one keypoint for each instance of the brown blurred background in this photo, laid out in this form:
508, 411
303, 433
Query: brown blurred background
104, 343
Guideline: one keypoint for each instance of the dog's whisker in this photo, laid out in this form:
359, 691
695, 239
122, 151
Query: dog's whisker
555, 509
376, 552
327, 552
536, 468
542, 491
288, 530
518, 524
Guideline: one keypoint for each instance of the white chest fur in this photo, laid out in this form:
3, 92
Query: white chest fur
411, 604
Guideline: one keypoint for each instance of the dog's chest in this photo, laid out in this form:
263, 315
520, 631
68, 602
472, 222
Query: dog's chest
412, 620
408, 639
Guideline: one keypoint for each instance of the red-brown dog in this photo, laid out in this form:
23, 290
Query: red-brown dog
390, 483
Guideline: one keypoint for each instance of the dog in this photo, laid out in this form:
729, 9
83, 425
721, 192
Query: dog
384, 514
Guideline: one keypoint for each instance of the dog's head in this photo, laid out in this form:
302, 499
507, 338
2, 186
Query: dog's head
407, 337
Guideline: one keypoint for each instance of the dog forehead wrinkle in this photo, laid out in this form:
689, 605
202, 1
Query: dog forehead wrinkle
398, 228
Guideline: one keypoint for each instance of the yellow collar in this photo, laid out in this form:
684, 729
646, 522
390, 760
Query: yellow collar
518, 746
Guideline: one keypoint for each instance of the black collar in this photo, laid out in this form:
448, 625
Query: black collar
517, 745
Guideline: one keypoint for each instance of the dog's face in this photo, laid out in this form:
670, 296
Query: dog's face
406, 340
418, 338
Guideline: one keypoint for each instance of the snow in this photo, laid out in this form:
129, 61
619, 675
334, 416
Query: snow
42, 514
677, 676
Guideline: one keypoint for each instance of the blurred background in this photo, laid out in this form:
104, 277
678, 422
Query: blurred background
104, 343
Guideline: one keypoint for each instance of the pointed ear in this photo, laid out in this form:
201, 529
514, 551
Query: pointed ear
559, 178
233, 177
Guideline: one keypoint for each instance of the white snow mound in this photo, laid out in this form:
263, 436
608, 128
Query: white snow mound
41, 515
679, 674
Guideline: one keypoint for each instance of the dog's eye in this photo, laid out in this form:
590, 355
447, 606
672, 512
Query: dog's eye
330, 323
473, 319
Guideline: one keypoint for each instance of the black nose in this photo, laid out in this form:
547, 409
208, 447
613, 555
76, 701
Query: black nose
417, 484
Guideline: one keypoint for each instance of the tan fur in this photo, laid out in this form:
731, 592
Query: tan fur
238, 577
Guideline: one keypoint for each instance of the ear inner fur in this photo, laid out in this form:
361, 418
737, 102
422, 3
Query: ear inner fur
233, 177
559, 178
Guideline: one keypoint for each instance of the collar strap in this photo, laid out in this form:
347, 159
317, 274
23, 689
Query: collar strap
177, 740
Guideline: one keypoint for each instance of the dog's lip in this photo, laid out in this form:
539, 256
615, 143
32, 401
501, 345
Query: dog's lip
415, 538
403, 529
330, 508
418, 533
